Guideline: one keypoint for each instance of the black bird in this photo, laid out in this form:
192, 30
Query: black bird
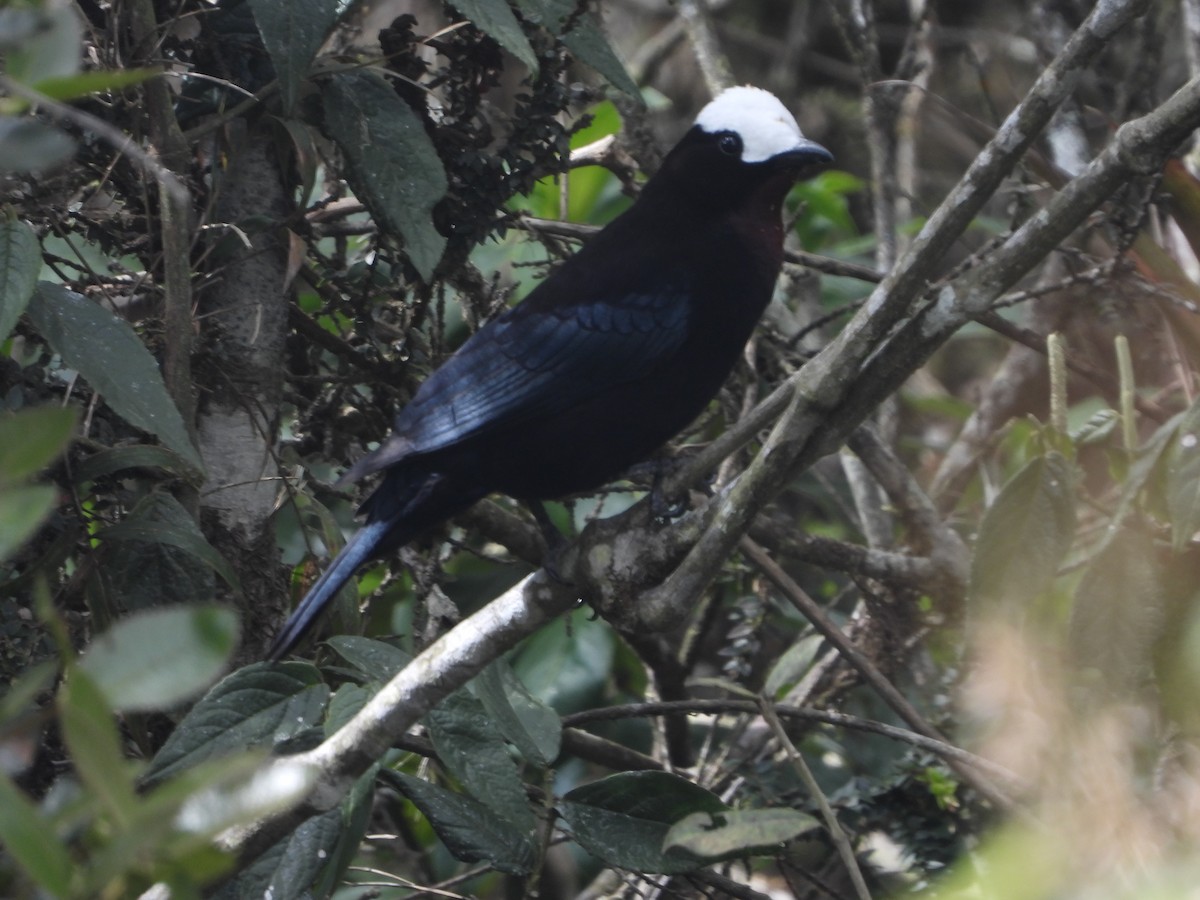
613, 354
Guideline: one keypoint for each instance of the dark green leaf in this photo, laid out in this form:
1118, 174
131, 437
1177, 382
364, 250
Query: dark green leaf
31, 439
550, 14
470, 831
472, 748
136, 456
534, 728
161, 519
587, 43
156, 659
22, 510
260, 705
107, 352
31, 842
377, 660
30, 145
1118, 611
293, 31
395, 169
1183, 479
91, 736
305, 851
623, 819
1024, 536
20, 264
345, 704
495, 19
737, 832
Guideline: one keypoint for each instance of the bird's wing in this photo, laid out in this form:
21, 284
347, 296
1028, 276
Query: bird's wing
532, 362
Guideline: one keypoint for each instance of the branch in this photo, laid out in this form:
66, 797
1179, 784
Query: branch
442, 668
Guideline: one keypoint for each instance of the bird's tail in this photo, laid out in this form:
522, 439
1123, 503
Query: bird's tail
360, 548
400, 510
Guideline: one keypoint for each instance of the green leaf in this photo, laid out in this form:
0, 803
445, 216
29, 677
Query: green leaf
303, 855
737, 832
31, 439
472, 748
567, 666
532, 726
1119, 610
82, 84
588, 44
495, 19
394, 167
107, 352
30, 145
1183, 479
91, 736
54, 49
377, 660
22, 510
154, 660
1024, 536
623, 820
345, 704
791, 666
30, 841
161, 519
20, 263
259, 705
470, 831
293, 31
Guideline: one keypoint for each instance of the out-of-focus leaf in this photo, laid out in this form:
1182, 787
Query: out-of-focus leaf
550, 14
156, 659
20, 263
293, 31
588, 43
81, 84
53, 50
470, 831
567, 667
90, 733
791, 666
107, 352
1184, 190
22, 510
1023, 537
1097, 429
160, 519
31, 439
30, 145
1183, 479
1118, 611
532, 726
495, 19
471, 747
623, 820
259, 705
737, 832
32, 843
395, 169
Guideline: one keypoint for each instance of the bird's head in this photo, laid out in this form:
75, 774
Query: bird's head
744, 146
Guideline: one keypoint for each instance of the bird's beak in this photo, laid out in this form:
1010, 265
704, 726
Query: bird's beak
803, 158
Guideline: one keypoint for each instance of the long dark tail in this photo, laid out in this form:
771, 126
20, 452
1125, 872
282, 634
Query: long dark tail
402, 507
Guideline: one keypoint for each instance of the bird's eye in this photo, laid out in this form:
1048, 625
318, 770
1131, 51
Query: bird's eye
729, 144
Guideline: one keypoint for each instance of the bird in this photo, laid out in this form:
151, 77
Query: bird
615, 352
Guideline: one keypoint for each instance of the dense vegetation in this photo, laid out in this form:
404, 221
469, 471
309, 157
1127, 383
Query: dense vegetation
926, 621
